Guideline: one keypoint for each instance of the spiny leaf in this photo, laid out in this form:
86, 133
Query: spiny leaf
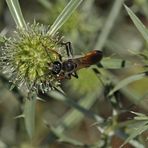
29, 114
16, 12
127, 81
135, 132
112, 63
64, 15
143, 30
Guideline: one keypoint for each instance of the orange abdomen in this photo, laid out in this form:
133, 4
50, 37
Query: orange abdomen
91, 58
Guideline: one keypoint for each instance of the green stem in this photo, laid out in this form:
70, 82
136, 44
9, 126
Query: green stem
16, 13
109, 24
29, 113
73, 116
64, 15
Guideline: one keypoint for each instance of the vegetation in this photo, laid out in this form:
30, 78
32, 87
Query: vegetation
106, 106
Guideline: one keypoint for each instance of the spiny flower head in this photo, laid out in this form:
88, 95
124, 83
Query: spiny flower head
27, 56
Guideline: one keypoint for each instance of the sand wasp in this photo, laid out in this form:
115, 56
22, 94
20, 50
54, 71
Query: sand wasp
69, 67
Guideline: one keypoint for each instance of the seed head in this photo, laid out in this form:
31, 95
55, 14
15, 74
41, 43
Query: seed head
26, 57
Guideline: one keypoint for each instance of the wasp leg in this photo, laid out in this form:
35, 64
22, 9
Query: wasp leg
74, 74
67, 76
99, 65
96, 71
68, 48
51, 50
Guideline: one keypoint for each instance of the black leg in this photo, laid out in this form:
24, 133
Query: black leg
74, 74
46, 50
96, 71
68, 48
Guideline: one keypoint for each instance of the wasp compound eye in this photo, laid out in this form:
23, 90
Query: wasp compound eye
68, 66
56, 68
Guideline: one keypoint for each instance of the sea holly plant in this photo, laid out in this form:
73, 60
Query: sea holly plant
27, 56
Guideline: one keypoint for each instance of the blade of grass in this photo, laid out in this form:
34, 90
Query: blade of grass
142, 29
80, 108
45, 3
72, 117
131, 94
135, 132
110, 63
127, 81
29, 114
64, 15
109, 24
16, 13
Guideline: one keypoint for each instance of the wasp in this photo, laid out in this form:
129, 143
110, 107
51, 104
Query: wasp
69, 67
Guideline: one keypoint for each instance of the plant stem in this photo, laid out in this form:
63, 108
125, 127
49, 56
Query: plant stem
16, 13
64, 15
109, 24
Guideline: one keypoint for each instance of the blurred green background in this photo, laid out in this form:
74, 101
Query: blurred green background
60, 121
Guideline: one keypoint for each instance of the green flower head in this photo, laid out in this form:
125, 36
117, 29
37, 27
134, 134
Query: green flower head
27, 57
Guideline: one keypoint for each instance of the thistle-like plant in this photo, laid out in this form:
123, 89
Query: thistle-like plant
27, 57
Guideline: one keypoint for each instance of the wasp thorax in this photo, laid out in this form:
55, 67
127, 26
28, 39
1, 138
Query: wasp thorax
69, 66
26, 57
